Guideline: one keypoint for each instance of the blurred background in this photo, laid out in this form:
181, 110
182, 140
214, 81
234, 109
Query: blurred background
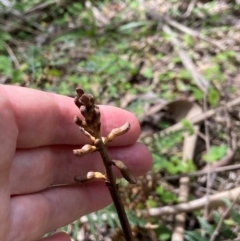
168, 62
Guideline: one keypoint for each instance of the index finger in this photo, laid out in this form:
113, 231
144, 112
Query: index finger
46, 119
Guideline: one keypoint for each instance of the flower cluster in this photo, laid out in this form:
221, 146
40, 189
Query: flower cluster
90, 127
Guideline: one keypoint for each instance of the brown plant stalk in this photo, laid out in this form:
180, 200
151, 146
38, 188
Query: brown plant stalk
90, 127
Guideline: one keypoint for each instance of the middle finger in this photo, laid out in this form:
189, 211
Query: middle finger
38, 168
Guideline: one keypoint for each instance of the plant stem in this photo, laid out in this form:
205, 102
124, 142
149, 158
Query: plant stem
111, 184
91, 128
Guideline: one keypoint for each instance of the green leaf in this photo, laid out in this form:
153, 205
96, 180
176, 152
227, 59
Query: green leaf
188, 126
54, 72
188, 40
5, 66
213, 97
134, 220
3, 38
197, 93
148, 73
132, 25
189, 166
16, 76
194, 236
215, 153
216, 217
165, 195
184, 74
151, 203
229, 222
208, 228
163, 233
157, 165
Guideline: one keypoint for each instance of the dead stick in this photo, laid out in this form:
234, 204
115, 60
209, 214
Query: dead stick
196, 119
188, 152
207, 144
215, 200
223, 217
114, 191
200, 81
152, 14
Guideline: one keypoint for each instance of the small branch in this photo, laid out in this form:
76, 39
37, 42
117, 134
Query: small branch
188, 153
197, 119
200, 81
22, 18
12, 55
180, 218
111, 184
152, 14
223, 217
100, 19
215, 200
207, 143
232, 142
40, 6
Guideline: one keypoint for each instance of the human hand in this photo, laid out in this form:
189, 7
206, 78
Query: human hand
37, 136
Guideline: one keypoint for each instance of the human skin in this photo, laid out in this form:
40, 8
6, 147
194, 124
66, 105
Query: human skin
37, 136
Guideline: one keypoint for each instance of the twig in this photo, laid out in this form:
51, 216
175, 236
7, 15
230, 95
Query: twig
190, 8
215, 200
188, 153
193, 33
100, 19
40, 6
24, 19
207, 143
196, 119
12, 26
200, 81
225, 214
180, 218
12, 55
114, 192
233, 146
90, 126
152, 14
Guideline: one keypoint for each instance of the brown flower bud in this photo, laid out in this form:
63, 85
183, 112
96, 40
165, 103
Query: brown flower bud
87, 100
97, 115
79, 91
118, 131
124, 171
84, 150
90, 176
79, 122
87, 134
76, 101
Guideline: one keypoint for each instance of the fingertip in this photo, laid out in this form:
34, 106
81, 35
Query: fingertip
142, 160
